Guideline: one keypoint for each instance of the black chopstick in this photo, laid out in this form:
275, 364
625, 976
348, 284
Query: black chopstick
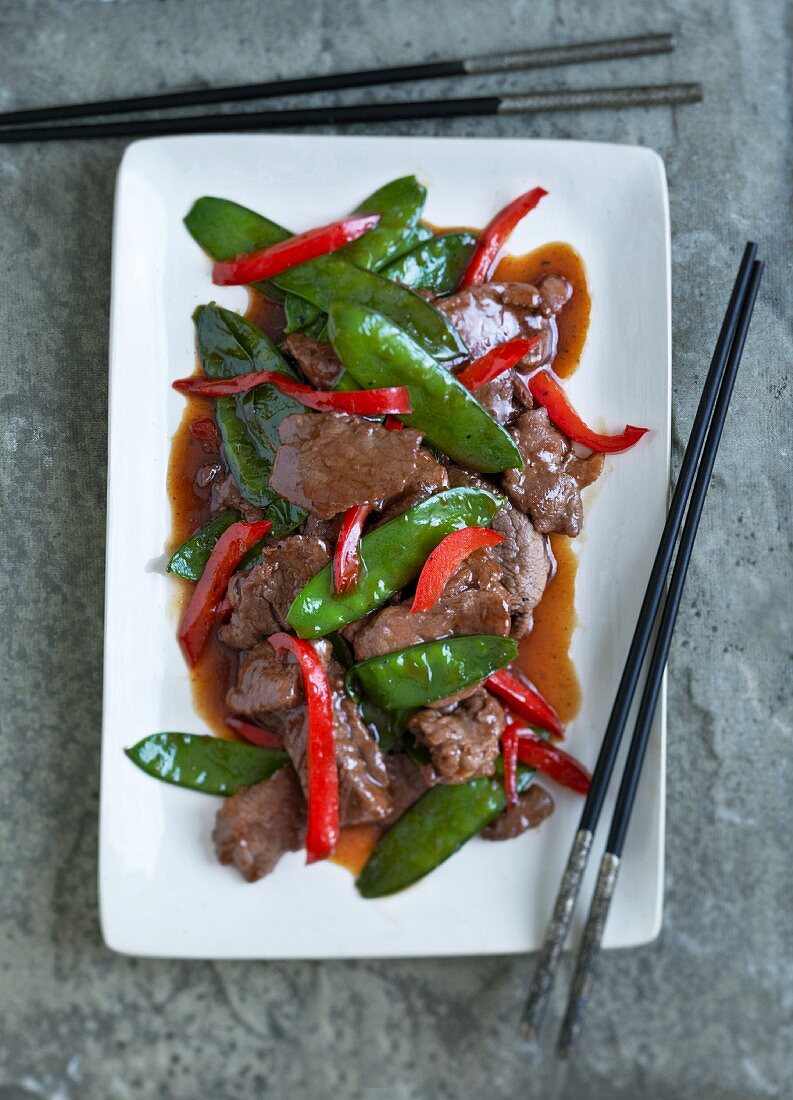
607, 877
528, 103
559, 924
542, 57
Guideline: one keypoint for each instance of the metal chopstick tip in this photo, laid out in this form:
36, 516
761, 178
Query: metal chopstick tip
588, 954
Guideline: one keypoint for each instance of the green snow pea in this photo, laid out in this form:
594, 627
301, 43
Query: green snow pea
437, 264
248, 423
433, 829
225, 229
376, 352
391, 556
203, 763
430, 671
399, 204
189, 559
328, 278
301, 316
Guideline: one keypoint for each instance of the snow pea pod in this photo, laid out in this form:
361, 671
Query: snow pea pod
332, 277
430, 671
301, 316
435, 265
376, 352
225, 229
189, 559
399, 204
391, 556
432, 830
203, 763
248, 423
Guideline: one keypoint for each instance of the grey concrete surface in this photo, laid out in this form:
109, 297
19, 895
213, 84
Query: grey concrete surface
706, 1011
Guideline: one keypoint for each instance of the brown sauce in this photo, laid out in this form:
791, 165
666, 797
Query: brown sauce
189, 511
544, 655
559, 259
355, 845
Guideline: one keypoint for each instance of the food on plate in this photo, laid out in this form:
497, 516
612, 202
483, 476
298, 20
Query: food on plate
375, 484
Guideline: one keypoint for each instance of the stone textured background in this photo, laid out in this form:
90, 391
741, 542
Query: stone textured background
706, 1011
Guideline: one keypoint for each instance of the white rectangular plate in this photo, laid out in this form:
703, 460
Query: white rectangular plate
162, 892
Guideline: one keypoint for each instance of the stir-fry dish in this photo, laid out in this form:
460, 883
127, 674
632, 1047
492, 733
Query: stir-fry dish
383, 459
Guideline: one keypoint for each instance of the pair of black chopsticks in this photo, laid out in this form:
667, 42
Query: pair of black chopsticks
695, 471
36, 124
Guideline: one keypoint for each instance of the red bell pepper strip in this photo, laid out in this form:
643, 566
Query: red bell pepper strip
201, 612
495, 362
206, 430
548, 392
322, 833
391, 424
444, 560
509, 753
525, 701
391, 400
538, 753
266, 263
346, 556
265, 739
494, 237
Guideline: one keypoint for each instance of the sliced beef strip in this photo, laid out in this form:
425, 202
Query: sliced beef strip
225, 494
493, 313
463, 739
473, 602
269, 689
406, 783
429, 478
526, 566
325, 529
534, 805
328, 462
460, 478
548, 489
268, 686
258, 824
318, 361
364, 789
261, 598
555, 292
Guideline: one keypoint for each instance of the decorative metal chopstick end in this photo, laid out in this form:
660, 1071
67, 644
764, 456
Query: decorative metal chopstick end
547, 56
555, 936
589, 954
591, 99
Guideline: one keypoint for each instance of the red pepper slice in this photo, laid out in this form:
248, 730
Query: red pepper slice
525, 701
538, 753
391, 424
266, 263
206, 430
548, 392
201, 612
494, 237
265, 739
322, 833
495, 362
509, 752
391, 400
346, 557
444, 560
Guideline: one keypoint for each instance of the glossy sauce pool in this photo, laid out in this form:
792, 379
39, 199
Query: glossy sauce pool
544, 656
